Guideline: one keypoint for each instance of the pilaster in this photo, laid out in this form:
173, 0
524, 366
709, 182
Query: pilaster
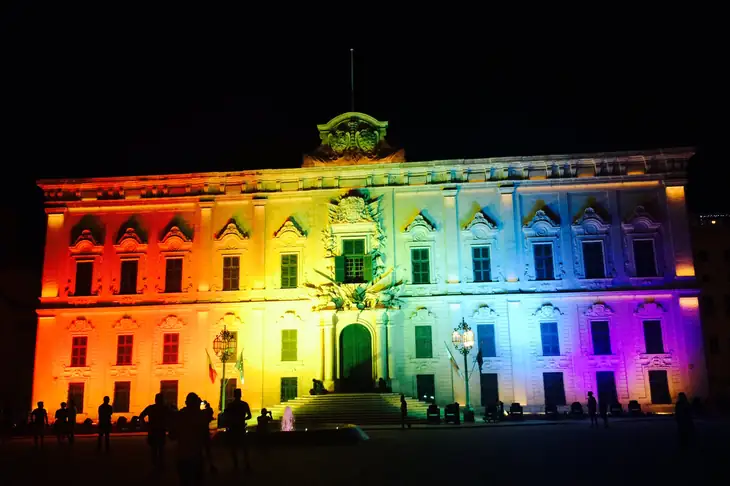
382, 348
451, 237
679, 229
508, 233
259, 243
519, 342
329, 349
205, 246
56, 247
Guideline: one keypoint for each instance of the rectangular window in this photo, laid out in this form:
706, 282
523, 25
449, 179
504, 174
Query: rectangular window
489, 386
424, 346
231, 272
288, 389
168, 388
124, 349
289, 271
84, 275
486, 340
78, 351
543, 253
420, 266
601, 337
659, 387
593, 259
550, 342
554, 388
644, 258
289, 345
128, 281
606, 383
653, 337
173, 275
120, 403
76, 394
481, 262
354, 254
426, 388
171, 346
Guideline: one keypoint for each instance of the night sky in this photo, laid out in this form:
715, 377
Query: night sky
143, 94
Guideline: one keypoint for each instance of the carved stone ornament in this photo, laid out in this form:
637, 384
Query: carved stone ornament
290, 232
130, 242
422, 314
231, 230
86, 244
80, 324
230, 321
542, 225
176, 240
171, 322
592, 222
126, 323
480, 226
484, 313
599, 310
351, 209
641, 220
547, 311
290, 318
419, 228
649, 309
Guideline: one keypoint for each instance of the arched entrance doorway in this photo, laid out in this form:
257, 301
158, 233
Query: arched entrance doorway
356, 359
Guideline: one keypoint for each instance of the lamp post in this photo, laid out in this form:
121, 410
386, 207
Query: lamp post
463, 340
224, 346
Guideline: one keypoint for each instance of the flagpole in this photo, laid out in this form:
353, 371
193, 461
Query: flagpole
453, 397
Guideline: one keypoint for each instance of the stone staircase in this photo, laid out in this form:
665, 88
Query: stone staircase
351, 408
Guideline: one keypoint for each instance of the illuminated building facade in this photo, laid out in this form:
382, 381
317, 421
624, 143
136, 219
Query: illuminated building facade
711, 243
575, 273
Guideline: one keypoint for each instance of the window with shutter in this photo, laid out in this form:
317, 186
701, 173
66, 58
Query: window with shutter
424, 346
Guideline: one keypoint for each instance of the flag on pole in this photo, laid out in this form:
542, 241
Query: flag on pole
239, 366
454, 365
211, 371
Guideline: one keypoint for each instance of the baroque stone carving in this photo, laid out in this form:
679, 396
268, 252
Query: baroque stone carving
80, 324
171, 322
130, 242
547, 311
484, 312
641, 225
480, 225
542, 229
125, 323
86, 244
289, 231
542, 224
175, 240
422, 315
419, 228
599, 310
231, 230
230, 320
649, 309
591, 227
290, 318
353, 138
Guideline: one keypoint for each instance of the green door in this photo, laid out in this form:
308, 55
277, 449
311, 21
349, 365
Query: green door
356, 359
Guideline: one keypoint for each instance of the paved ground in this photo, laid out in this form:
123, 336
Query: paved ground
629, 452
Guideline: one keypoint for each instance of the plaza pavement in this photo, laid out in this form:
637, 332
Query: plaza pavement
641, 452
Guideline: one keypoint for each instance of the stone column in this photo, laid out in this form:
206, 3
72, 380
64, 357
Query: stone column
382, 349
329, 350
258, 259
519, 342
512, 258
679, 231
695, 374
56, 248
205, 245
451, 239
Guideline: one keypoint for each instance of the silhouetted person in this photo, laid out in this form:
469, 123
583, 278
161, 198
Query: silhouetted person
209, 414
403, 412
190, 430
592, 404
236, 414
40, 421
382, 385
158, 423
603, 409
683, 415
72, 411
105, 424
60, 425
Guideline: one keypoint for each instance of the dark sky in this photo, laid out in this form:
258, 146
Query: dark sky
101, 93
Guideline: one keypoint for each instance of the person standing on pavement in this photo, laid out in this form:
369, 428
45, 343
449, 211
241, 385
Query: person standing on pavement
190, 430
105, 424
404, 412
592, 404
40, 422
158, 417
72, 411
683, 415
236, 414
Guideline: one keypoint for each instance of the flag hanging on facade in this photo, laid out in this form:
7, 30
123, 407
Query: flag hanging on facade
239, 366
211, 371
454, 365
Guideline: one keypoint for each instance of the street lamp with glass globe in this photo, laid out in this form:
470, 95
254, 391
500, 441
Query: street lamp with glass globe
463, 340
224, 346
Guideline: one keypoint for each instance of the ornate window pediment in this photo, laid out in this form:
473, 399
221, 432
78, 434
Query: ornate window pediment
290, 319
86, 244
176, 240
590, 222
80, 324
230, 320
481, 227
484, 313
547, 312
130, 242
420, 228
170, 322
649, 309
231, 235
290, 233
541, 225
125, 323
599, 310
641, 221
422, 316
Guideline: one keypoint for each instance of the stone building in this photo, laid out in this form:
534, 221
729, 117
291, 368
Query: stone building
574, 271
